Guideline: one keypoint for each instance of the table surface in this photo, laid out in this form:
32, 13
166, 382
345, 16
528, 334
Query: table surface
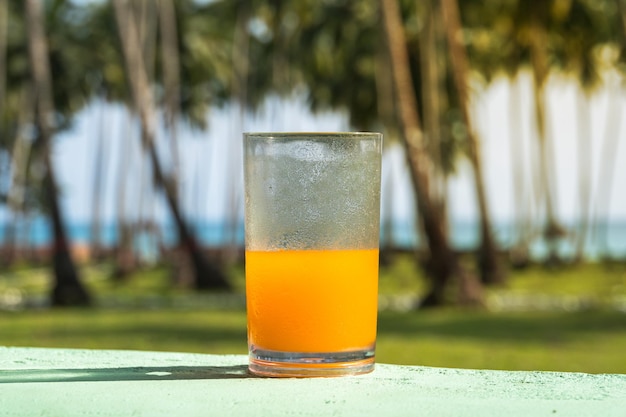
74, 382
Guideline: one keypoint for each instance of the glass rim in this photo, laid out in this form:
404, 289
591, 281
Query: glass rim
300, 135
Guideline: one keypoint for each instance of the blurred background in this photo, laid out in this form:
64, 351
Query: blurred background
503, 215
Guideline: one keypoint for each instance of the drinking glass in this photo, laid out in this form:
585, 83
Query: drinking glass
312, 213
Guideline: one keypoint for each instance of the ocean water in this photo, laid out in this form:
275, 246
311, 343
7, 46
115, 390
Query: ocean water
37, 232
607, 239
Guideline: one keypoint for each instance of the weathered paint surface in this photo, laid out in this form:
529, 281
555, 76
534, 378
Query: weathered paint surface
66, 382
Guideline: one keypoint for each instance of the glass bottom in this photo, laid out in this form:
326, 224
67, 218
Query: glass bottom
271, 363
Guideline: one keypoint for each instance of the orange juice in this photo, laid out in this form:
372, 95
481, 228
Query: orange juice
312, 300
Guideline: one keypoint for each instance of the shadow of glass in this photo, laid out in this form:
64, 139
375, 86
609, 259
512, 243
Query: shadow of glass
125, 374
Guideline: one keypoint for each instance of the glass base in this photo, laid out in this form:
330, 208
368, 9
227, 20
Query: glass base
273, 363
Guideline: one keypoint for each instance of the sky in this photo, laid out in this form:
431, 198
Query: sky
216, 153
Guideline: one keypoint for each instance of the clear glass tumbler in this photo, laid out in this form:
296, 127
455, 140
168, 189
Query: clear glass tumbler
312, 213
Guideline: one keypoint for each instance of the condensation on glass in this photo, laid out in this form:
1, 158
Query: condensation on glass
311, 199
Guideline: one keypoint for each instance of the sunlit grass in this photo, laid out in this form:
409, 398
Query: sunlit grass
584, 279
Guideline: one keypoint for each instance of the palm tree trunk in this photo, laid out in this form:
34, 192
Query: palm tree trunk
7, 245
67, 289
124, 255
553, 230
431, 97
100, 158
489, 264
519, 255
385, 102
170, 63
4, 27
609, 151
20, 155
207, 276
606, 176
385, 98
443, 264
241, 69
584, 172
146, 12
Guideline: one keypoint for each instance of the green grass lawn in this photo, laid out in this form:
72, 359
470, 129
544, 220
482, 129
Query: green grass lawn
146, 313
560, 341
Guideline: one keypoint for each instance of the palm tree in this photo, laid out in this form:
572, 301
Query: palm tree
433, 76
67, 288
170, 64
4, 29
125, 260
578, 30
522, 204
538, 42
100, 156
611, 137
575, 56
240, 71
609, 152
20, 157
490, 267
443, 263
496, 44
584, 171
207, 276
559, 36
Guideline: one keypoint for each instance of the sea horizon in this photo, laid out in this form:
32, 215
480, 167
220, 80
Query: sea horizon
608, 238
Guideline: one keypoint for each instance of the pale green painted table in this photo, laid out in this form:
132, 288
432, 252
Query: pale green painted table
61, 382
